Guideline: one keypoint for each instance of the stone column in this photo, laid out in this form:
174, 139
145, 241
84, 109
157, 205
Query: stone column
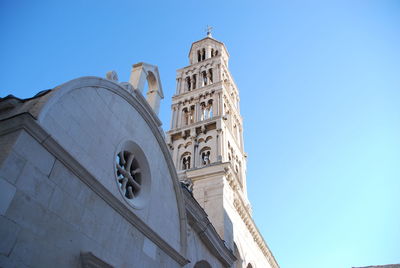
222, 103
178, 85
196, 112
193, 151
173, 118
241, 139
215, 105
208, 52
217, 74
179, 120
176, 111
198, 80
195, 156
220, 142
182, 85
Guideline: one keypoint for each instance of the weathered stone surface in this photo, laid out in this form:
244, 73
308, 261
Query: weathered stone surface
7, 192
35, 184
27, 213
8, 233
12, 167
28, 148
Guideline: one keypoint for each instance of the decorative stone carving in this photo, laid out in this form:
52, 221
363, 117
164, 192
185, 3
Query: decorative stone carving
128, 174
112, 75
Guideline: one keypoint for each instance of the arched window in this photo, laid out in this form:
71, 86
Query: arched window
204, 78
210, 109
185, 160
203, 109
216, 52
202, 264
198, 56
194, 80
188, 83
203, 54
210, 76
191, 115
249, 265
205, 156
185, 113
212, 52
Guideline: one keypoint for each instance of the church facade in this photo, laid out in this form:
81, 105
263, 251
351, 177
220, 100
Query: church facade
89, 179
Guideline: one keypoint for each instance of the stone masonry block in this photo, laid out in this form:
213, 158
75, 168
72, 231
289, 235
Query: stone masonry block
7, 143
66, 207
7, 192
8, 233
12, 167
5, 261
27, 213
27, 147
68, 182
35, 184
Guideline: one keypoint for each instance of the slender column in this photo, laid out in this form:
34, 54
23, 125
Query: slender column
220, 142
219, 104
198, 78
193, 151
196, 112
208, 52
173, 118
217, 73
215, 105
241, 140
178, 85
179, 121
195, 156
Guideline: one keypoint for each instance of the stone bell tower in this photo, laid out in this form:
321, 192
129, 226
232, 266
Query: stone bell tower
206, 143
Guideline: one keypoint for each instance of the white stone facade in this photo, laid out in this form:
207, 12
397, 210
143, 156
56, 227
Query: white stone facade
87, 179
206, 144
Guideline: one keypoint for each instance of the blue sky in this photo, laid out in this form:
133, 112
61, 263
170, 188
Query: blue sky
319, 84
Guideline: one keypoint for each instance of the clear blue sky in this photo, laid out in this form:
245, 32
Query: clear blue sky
319, 84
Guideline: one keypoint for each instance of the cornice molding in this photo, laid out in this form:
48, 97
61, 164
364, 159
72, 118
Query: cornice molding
241, 208
199, 221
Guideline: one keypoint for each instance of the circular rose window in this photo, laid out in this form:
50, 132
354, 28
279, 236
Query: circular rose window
128, 173
132, 173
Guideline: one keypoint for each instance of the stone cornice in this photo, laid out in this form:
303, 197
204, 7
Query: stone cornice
199, 221
251, 226
208, 38
198, 65
196, 93
194, 125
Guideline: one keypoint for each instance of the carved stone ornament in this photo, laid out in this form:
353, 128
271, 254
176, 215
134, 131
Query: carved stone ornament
112, 75
128, 174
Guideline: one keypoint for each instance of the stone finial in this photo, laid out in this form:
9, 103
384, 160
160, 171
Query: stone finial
208, 30
112, 75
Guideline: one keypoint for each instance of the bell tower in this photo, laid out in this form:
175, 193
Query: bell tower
206, 144
206, 136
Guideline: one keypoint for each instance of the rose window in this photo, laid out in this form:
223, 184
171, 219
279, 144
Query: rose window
128, 174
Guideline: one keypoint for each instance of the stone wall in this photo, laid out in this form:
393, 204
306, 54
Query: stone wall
49, 216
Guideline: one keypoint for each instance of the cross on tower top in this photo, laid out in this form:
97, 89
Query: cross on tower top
208, 30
